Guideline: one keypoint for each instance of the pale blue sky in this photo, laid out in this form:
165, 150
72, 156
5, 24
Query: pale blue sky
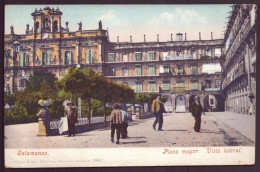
135, 20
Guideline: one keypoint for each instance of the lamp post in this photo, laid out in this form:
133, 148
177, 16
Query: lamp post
16, 48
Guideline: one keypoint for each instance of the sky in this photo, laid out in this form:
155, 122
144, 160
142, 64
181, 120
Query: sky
135, 20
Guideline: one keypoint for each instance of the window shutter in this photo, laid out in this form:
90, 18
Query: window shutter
48, 58
21, 59
71, 57
41, 60
92, 56
161, 69
87, 56
26, 60
63, 55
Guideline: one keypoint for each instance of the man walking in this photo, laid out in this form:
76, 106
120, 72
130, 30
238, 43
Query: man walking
115, 122
197, 110
158, 110
70, 113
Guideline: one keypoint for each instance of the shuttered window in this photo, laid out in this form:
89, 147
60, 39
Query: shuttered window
138, 57
21, 60
166, 85
180, 84
180, 69
151, 69
111, 70
151, 56
111, 58
138, 70
193, 69
138, 86
152, 86
194, 85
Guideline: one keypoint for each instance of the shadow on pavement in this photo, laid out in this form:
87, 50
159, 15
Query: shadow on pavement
175, 130
136, 137
133, 142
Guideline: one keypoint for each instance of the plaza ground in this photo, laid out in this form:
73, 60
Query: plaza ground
217, 129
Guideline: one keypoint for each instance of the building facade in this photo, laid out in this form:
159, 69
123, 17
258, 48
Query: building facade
179, 69
239, 72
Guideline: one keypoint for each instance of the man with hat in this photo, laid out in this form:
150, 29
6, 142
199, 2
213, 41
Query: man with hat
158, 109
197, 110
70, 112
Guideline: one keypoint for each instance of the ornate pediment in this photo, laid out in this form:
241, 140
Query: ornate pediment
24, 48
88, 45
45, 47
67, 46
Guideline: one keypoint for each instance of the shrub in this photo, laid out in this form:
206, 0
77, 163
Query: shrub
19, 114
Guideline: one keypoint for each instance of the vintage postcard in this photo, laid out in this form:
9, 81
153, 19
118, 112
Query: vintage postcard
129, 85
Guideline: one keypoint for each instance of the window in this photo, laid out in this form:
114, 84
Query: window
180, 69
138, 70
208, 53
152, 86
165, 54
89, 56
179, 53
194, 85
125, 58
166, 85
23, 82
45, 58
180, 84
151, 56
208, 83
111, 57
138, 86
193, 69
6, 61
138, 57
151, 69
111, 70
67, 57
217, 52
124, 72
218, 83
24, 59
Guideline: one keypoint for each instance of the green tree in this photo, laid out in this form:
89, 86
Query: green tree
9, 99
34, 81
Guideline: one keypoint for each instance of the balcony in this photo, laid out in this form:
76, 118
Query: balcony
180, 57
212, 89
165, 74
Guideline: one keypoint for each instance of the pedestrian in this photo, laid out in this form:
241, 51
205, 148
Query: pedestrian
124, 122
115, 122
71, 115
158, 110
197, 110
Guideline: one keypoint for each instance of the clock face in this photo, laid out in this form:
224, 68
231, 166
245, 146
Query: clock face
45, 35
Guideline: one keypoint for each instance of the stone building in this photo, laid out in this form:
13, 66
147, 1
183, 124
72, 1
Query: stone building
178, 69
239, 84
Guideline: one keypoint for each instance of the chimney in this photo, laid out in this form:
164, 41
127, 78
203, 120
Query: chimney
171, 37
117, 39
157, 37
12, 29
27, 28
67, 25
144, 38
211, 35
185, 37
100, 25
130, 38
199, 36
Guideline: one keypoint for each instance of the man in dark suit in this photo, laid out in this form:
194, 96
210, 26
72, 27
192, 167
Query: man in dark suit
72, 117
197, 110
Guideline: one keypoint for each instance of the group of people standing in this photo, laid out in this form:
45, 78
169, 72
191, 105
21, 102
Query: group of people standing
118, 122
119, 118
